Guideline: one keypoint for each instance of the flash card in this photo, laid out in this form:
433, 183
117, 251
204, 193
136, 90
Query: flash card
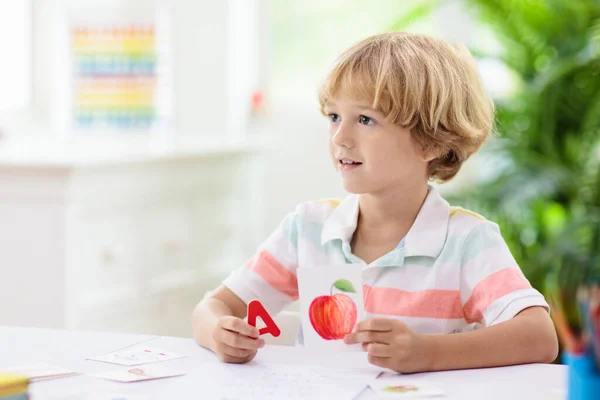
136, 374
256, 309
103, 396
39, 371
404, 389
331, 304
136, 356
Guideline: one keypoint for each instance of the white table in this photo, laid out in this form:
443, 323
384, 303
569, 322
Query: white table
70, 348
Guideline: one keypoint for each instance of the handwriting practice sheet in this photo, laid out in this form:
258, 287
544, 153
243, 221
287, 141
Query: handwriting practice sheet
274, 382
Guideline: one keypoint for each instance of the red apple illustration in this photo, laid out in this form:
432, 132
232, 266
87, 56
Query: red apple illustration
334, 316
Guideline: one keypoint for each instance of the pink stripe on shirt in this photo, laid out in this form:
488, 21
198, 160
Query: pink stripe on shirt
431, 303
274, 273
492, 288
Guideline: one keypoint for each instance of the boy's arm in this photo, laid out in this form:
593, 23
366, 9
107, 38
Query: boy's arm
494, 292
207, 314
269, 276
529, 337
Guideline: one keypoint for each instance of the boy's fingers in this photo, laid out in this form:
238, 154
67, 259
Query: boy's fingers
367, 337
238, 325
384, 362
236, 360
240, 341
236, 352
374, 324
377, 350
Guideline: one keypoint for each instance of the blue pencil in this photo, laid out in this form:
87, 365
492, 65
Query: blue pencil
588, 301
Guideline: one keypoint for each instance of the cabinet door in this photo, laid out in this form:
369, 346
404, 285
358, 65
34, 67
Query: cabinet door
173, 309
32, 276
214, 225
167, 250
185, 242
104, 257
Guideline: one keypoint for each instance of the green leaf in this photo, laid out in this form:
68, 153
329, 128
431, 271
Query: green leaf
554, 217
344, 285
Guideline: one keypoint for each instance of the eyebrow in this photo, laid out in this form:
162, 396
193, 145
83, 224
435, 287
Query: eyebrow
361, 107
366, 108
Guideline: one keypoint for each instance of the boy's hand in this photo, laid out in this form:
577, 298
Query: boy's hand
392, 344
235, 341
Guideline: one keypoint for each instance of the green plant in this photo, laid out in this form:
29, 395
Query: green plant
544, 190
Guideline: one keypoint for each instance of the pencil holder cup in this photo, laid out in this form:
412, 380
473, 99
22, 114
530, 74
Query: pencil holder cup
584, 377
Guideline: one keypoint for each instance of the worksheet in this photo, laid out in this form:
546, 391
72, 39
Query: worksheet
273, 382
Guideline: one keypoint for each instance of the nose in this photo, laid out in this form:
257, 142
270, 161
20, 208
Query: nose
342, 136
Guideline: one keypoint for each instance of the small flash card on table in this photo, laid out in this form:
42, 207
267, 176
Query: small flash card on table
136, 356
40, 371
103, 396
402, 387
331, 303
136, 374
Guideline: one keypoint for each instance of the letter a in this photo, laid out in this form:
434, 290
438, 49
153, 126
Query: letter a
256, 309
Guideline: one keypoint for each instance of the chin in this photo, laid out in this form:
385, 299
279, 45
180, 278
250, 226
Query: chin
354, 187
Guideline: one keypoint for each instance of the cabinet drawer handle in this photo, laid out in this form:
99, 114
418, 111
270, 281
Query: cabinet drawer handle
107, 257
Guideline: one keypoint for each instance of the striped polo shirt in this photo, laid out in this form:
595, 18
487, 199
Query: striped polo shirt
452, 272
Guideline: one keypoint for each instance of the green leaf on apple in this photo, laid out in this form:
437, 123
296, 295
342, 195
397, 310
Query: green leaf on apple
344, 285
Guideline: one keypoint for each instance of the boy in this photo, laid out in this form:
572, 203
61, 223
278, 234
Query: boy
403, 109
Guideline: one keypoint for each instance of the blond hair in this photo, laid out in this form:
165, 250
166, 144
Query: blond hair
423, 84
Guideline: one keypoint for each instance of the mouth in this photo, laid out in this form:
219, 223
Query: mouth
345, 164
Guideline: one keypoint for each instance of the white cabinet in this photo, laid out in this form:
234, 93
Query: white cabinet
125, 245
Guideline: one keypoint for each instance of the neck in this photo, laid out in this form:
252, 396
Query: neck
398, 207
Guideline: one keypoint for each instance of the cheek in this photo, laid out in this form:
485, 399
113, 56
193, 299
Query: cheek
334, 161
398, 161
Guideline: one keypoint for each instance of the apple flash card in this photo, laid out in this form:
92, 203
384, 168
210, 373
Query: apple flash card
331, 303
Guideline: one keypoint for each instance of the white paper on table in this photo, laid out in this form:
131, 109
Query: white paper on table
274, 382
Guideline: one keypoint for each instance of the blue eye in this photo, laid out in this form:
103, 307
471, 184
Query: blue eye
366, 120
334, 118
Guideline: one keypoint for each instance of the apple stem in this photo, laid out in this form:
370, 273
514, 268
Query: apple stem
331, 290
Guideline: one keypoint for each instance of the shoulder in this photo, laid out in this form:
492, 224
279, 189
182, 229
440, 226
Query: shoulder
474, 231
478, 237
463, 222
316, 210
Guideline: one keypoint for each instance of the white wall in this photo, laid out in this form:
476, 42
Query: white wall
297, 167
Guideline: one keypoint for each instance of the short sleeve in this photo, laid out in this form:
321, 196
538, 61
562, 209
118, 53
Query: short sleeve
270, 275
493, 288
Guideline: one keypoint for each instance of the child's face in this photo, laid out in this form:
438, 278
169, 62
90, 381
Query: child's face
384, 156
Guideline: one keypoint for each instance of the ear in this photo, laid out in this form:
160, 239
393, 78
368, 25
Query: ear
428, 155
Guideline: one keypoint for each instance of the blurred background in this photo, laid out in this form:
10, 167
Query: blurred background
147, 147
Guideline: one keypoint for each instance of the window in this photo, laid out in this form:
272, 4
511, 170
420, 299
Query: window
15, 47
307, 35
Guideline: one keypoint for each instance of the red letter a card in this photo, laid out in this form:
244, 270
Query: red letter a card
256, 309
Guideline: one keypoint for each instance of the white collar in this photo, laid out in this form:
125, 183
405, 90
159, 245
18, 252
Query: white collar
426, 236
